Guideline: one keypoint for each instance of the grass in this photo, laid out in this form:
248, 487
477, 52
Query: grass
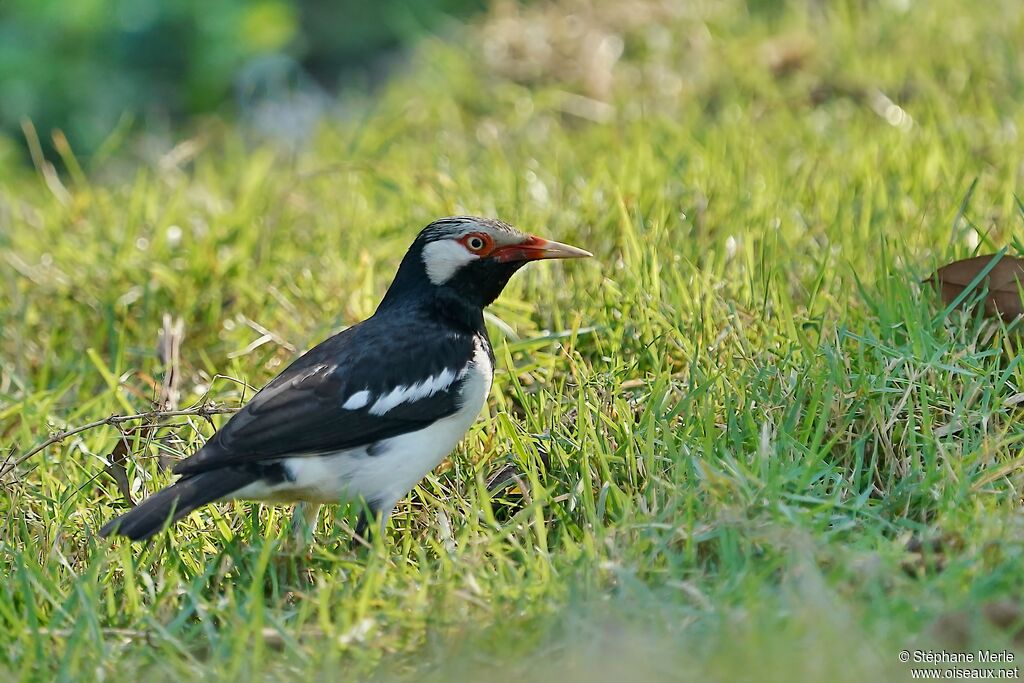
751, 446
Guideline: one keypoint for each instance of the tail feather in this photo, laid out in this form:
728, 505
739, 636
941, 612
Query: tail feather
176, 501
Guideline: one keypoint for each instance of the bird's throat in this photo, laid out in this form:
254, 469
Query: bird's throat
456, 309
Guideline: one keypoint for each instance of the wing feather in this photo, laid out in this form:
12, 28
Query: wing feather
301, 412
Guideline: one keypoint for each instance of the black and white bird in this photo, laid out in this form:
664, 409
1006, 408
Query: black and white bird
366, 414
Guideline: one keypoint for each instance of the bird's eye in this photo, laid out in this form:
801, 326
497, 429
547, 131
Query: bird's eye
475, 243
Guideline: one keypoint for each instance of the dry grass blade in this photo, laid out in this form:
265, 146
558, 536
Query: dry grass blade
169, 349
999, 275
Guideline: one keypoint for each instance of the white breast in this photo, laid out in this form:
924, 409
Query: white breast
397, 464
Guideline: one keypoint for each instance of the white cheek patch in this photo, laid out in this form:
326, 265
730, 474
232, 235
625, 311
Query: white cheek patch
357, 400
443, 257
414, 392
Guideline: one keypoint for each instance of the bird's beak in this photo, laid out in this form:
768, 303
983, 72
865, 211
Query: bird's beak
536, 248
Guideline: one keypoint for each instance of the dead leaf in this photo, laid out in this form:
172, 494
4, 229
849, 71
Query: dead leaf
959, 628
1002, 283
118, 472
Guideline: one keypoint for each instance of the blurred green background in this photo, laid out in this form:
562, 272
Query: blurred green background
93, 67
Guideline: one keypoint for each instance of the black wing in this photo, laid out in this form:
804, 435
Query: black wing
300, 412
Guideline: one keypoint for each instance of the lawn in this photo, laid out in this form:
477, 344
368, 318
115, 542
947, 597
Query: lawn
747, 442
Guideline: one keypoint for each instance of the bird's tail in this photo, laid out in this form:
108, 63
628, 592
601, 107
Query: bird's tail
176, 501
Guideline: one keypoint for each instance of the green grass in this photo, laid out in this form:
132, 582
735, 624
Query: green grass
752, 413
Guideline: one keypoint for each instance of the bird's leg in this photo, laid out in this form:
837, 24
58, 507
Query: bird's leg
303, 523
371, 512
361, 534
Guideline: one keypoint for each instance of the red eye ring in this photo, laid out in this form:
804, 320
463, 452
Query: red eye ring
477, 242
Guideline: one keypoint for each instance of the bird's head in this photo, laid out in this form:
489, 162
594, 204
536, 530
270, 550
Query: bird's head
471, 259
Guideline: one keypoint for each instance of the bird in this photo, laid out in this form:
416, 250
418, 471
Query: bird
363, 416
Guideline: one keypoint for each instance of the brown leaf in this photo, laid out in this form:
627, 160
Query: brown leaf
959, 628
117, 471
1005, 614
1003, 283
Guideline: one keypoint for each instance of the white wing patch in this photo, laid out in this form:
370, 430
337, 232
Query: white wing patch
413, 392
357, 400
443, 257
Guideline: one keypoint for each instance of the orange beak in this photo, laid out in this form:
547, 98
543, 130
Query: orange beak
537, 248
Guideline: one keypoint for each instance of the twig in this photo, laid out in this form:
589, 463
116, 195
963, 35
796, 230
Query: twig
271, 636
205, 410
